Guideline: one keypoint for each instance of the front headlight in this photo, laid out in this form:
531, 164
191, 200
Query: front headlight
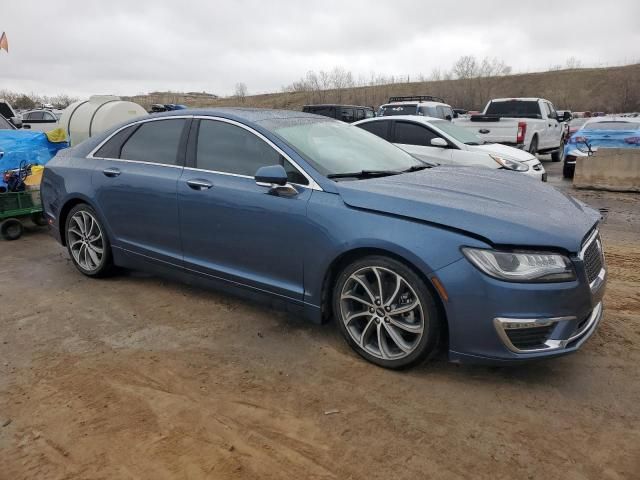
509, 164
522, 266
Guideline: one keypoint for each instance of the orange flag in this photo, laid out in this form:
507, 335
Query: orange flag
4, 43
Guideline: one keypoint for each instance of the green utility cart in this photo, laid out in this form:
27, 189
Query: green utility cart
15, 207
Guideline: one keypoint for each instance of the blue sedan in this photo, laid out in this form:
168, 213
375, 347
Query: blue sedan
330, 221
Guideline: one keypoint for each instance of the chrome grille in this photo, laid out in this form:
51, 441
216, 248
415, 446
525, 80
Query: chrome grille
592, 257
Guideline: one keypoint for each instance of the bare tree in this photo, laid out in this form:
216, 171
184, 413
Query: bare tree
573, 62
240, 91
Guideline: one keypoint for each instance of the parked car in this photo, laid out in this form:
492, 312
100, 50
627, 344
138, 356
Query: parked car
8, 113
440, 141
422, 105
346, 113
329, 220
40, 120
530, 124
600, 132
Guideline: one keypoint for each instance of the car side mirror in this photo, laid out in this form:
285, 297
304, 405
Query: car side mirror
455, 115
439, 142
272, 175
566, 117
447, 117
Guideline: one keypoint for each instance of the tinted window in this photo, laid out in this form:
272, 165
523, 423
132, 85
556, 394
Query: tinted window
388, 110
515, 108
347, 115
223, 147
155, 142
324, 111
413, 134
49, 117
379, 128
112, 148
36, 115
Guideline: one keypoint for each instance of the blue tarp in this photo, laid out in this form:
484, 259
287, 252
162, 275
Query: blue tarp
32, 147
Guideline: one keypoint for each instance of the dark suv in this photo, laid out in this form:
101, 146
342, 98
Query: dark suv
346, 113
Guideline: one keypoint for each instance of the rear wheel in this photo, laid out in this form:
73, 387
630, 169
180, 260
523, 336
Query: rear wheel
533, 148
386, 313
87, 242
557, 155
11, 229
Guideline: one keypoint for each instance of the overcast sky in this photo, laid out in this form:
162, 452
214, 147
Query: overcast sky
125, 47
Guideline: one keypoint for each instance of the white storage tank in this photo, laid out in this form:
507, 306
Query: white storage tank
85, 118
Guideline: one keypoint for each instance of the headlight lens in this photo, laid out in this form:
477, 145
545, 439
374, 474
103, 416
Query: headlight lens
510, 164
522, 266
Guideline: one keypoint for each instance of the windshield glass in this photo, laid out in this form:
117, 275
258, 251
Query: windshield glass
335, 147
514, 108
388, 110
458, 133
612, 126
4, 124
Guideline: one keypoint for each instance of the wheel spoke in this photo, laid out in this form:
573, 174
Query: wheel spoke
379, 280
79, 223
397, 339
356, 315
396, 290
366, 331
93, 256
350, 296
417, 328
366, 288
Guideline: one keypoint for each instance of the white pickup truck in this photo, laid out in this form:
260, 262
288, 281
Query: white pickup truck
530, 124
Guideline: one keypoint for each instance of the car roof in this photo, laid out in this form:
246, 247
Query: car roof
613, 118
409, 118
242, 114
415, 102
520, 99
336, 105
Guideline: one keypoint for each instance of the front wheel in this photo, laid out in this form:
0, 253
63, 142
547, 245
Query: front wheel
386, 313
87, 242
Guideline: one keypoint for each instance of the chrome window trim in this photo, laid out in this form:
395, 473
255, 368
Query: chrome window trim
313, 185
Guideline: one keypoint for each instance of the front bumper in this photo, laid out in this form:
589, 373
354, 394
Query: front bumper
497, 322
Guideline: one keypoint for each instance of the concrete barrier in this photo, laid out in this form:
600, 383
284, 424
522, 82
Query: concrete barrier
616, 169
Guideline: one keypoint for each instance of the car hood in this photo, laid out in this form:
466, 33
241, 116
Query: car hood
505, 151
503, 207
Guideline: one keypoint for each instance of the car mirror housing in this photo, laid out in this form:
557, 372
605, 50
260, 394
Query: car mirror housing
272, 175
439, 142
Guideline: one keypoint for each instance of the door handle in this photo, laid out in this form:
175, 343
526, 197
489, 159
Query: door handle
199, 184
111, 172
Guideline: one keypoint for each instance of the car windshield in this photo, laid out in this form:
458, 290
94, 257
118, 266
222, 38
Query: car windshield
4, 124
337, 148
457, 133
388, 110
612, 126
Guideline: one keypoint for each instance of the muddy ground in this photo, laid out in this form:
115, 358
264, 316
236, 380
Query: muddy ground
136, 377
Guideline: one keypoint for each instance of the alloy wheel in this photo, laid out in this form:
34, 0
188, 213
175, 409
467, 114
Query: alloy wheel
85, 240
382, 313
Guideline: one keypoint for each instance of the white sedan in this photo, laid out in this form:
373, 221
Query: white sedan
439, 141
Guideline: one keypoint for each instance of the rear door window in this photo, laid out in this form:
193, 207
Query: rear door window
347, 115
155, 142
111, 149
413, 134
36, 116
379, 128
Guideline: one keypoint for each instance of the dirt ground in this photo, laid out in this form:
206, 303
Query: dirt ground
137, 377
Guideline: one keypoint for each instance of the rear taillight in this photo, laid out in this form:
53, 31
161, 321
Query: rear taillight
633, 140
522, 131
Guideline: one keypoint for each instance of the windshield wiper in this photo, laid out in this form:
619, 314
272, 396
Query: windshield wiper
364, 174
417, 168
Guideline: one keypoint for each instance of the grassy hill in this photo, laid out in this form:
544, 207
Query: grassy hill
614, 89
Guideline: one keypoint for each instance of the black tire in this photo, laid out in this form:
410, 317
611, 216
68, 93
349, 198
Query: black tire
39, 219
533, 147
567, 172
11, 229
556, 155
424, 346
105, 265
